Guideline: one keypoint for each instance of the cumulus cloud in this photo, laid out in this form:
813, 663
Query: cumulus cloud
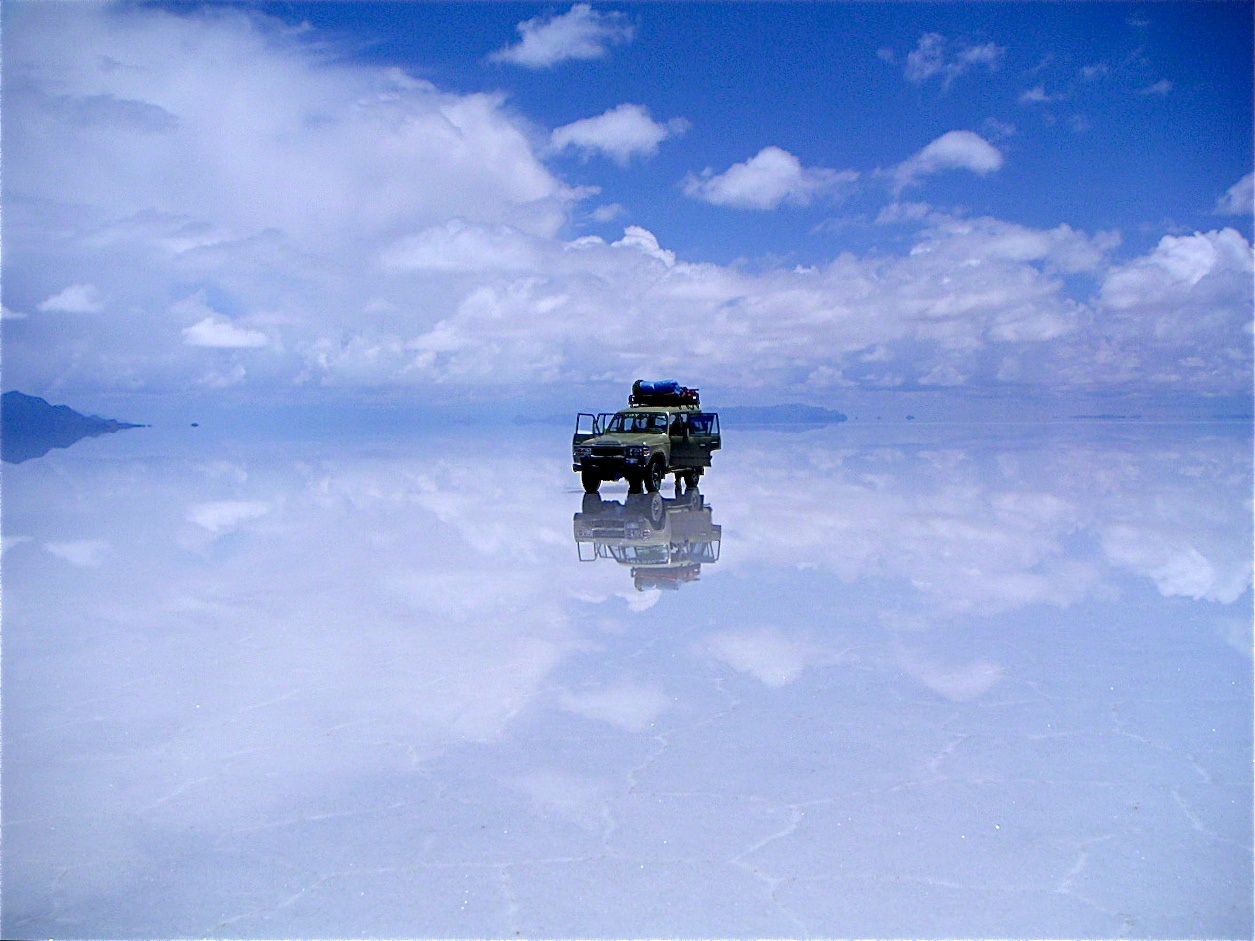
1239, 199
76, 299
354, 227
766, 180
954, 150
581, 33
632, 305
1038, 95
620, 133
303, 143
935, 56
608, 213
213, 329
222, 334
222, 516
461, 247
280, 197
83, 553
1180, 316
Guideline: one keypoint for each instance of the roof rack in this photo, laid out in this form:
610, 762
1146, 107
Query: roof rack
665, 392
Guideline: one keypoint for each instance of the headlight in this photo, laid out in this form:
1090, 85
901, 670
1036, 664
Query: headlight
583, 452
638, 450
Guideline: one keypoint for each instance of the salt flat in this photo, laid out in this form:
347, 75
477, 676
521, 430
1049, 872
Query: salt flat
925, 681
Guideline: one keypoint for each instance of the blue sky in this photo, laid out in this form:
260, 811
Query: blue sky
798, 200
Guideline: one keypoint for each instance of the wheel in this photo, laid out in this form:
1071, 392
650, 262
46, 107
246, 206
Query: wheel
657, 510
653, 476
691, 478
592, 482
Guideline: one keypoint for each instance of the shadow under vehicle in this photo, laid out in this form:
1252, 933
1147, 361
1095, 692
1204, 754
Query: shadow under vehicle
662, 431
664, 541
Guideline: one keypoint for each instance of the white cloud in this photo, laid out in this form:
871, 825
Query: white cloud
372, 231
458, 246
279, 197
303, 143
1161, 87
76, 299
222, 334
213, 329
943, 374
1037, 95
222, 516
83, 553
954, 150
766, 180
934, 56
608, 213
581, 33
1180, 315
620, 133
1239, 199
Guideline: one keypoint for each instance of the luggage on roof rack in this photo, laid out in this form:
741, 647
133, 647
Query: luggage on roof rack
664, 392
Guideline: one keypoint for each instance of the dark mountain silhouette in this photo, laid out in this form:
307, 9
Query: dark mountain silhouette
30, 427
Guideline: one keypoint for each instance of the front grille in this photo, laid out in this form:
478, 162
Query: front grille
607, 450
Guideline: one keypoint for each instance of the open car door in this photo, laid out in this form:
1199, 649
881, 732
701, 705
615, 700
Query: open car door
698, 438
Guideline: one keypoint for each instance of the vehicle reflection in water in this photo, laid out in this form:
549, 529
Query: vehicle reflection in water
664, 541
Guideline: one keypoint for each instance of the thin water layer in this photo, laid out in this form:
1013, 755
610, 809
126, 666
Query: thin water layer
928, 681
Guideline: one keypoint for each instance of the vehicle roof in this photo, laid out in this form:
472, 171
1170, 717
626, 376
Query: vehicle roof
636, 409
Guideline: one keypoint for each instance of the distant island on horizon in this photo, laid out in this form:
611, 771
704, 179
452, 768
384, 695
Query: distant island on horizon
30, 426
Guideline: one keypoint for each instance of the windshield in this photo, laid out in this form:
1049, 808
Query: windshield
641, 555
638, 421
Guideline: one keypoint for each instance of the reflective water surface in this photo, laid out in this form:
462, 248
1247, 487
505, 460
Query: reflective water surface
903, 681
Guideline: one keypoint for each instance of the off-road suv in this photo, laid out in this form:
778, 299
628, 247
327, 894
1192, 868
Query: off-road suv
662, 431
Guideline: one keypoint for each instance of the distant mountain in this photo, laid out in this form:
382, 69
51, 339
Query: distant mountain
30, 427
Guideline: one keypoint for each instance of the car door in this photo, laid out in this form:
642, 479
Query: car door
700, 437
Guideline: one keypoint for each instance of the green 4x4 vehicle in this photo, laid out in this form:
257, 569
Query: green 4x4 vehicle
662, 431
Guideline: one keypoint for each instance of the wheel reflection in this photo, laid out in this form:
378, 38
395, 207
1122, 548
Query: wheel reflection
664, 541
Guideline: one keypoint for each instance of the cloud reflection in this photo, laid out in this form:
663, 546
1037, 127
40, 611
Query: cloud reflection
352, 620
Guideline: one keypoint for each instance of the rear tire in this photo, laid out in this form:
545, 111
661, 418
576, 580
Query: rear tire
592, 482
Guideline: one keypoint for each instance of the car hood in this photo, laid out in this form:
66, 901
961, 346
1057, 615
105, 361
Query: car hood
622, 440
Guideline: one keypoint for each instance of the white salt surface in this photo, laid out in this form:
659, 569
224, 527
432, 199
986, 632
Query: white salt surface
941, 681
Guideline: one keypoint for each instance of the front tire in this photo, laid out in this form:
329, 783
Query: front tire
653, 476
592, 481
